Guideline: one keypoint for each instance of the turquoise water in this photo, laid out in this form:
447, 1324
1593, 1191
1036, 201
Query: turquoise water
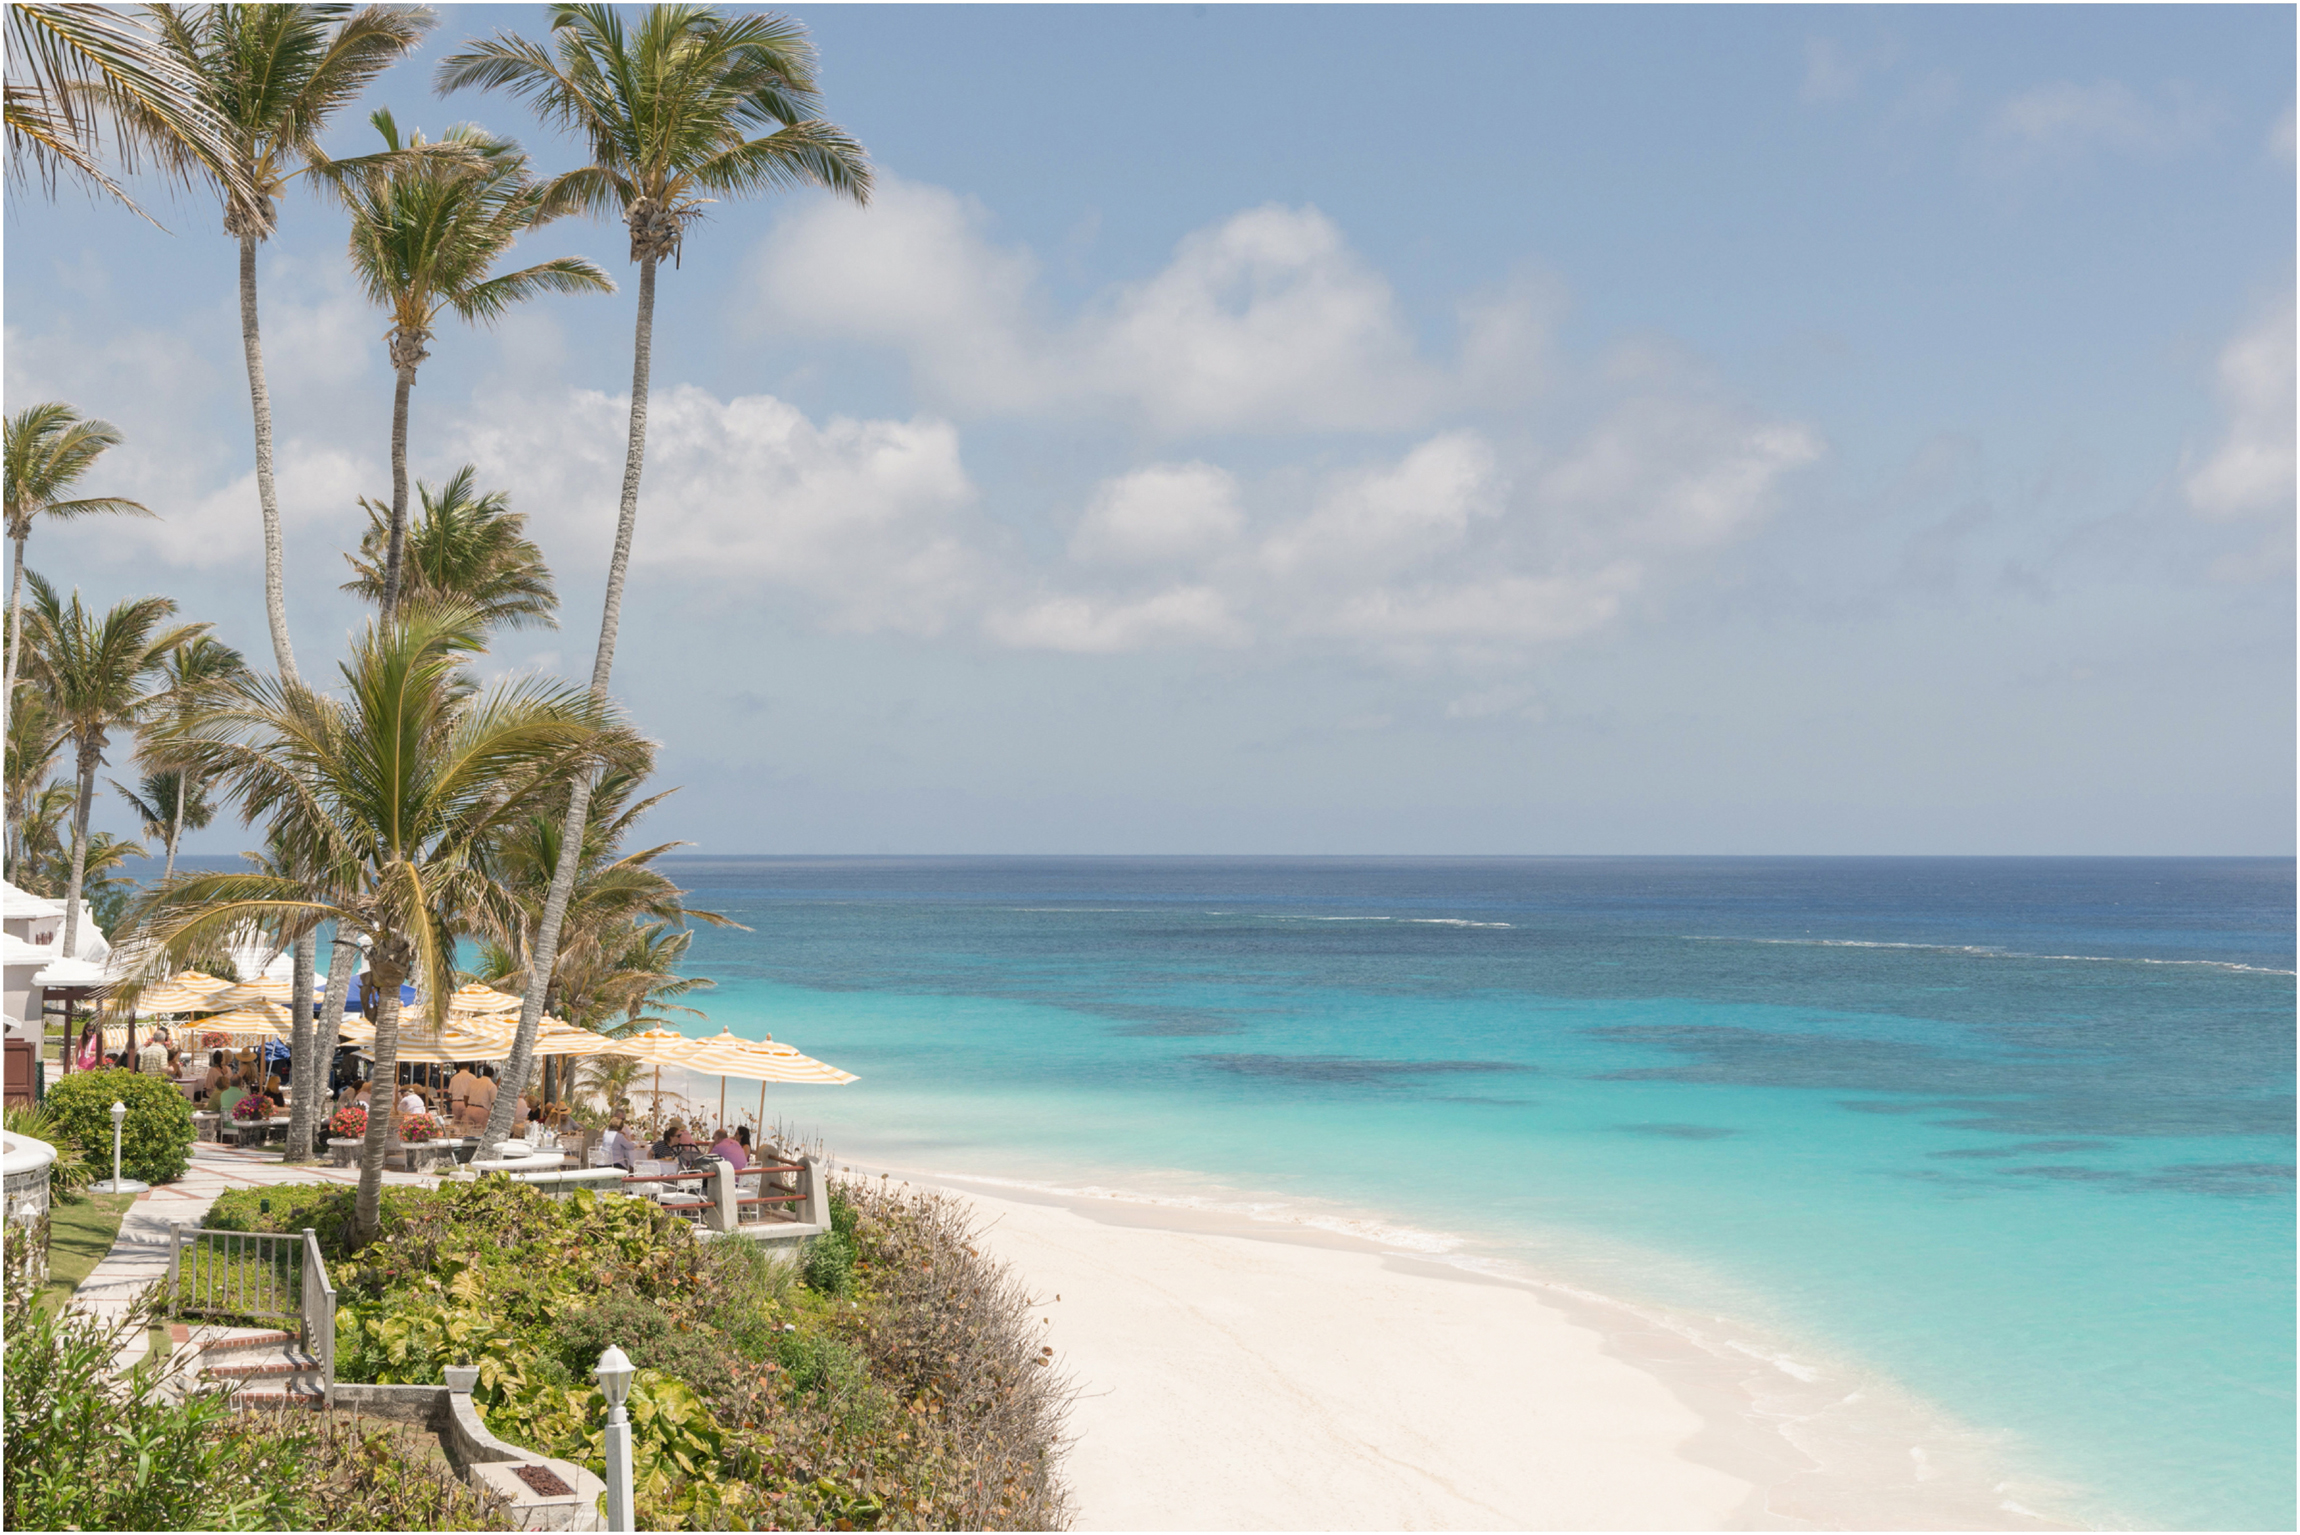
2013, 1134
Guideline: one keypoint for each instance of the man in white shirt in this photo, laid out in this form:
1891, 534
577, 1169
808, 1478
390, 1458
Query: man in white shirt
152, 1060
411, 1102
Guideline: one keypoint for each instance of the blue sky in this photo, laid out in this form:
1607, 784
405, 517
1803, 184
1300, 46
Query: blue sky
1358, 429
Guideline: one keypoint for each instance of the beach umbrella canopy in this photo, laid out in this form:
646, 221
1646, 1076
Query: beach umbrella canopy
264, 1020
478, 998
201, 982
557, 1038
728, 1054
251, 993
173, 996
755, 1060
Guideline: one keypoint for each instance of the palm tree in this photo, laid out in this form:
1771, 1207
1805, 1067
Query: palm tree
44, 860
48, 448
168, 803
426, 228
73, 71
468, 546
273, 75
383, 801
35, 737
192, 680
667, 112
95, 671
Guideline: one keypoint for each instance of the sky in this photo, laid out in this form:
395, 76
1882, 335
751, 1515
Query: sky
1346, 430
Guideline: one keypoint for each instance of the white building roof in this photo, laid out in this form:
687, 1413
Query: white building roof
15, 951
73, 972
15, 904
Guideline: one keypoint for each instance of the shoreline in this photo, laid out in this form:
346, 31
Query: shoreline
1479, 1398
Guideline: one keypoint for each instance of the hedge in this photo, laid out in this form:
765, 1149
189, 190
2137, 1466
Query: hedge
155, 1143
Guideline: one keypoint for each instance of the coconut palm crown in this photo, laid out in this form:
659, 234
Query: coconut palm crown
272, 76
47, 450
96, 672
429, 221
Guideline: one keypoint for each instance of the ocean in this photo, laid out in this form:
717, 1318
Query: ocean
1974, 1175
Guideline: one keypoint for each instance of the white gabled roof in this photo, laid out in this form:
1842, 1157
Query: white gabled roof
73, 972
15, 951
15, 904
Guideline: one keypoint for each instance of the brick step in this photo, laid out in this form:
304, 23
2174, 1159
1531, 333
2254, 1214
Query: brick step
249, 1340
297, 1362
308, 1398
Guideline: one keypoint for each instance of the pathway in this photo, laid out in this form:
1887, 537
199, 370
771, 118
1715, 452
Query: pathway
139, 1255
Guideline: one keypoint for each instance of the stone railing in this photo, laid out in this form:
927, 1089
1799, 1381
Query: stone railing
25, 1165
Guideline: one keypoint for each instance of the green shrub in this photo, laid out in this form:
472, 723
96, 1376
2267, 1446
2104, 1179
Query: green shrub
829, 1265
816, 1365
156, 1141
87, 1451
324, 1207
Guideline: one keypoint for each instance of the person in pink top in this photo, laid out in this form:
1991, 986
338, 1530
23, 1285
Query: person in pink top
730, 1151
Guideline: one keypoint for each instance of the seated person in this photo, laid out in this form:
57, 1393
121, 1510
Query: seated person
730, 1151
232, 1091
673, 1139
616, 1149
213, 1082
411, 1101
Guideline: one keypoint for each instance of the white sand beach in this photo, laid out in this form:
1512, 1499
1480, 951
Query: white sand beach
1233, 1380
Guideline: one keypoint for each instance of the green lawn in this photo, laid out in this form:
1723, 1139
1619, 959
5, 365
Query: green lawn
78, 1237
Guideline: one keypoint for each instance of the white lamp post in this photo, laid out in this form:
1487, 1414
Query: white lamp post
118, 1184
615, 1374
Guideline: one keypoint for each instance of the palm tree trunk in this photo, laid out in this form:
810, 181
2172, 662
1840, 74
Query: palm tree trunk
302, 1053
15, 622
175, 825
543, 958
267, 497
382, 1103
91, 757
393, 550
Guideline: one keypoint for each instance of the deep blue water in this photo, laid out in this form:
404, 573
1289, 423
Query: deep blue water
2016, 1134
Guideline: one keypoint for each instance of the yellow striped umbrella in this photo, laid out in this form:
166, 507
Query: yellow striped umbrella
262, 1018
248, 993
202, 982
727, 1054
556, 1038
663, 1047
173, 996
477, 998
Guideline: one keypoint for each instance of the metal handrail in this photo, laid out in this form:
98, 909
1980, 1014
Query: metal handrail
319, 1313
241, 1275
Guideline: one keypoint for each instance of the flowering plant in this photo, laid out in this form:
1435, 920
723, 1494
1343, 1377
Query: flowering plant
254, 1106
350, 1122
418, 1127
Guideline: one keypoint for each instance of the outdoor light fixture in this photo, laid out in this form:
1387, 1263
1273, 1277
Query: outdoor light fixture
615, 1374
118, 1184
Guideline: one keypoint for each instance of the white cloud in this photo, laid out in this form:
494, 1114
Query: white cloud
1455, 550
861, 517
1160, 514
1182, 615
1265, 322
1376, 521
2251, 472
2062, 120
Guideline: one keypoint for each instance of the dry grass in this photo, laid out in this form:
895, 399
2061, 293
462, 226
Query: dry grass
951, 1335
